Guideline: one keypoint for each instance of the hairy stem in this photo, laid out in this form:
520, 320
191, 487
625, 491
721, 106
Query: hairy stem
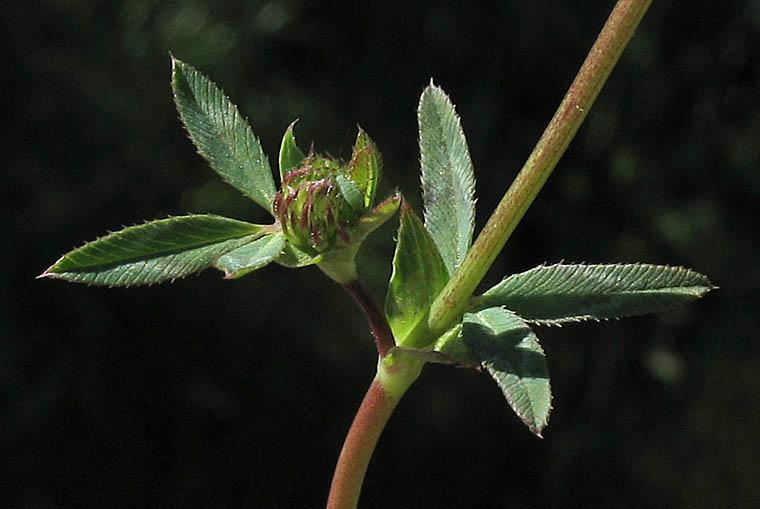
617, 31
378, 324
395, 374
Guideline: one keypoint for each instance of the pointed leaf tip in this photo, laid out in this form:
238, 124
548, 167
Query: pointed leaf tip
448, 181
419, 274
366, 166
155, 251
221, 134
555, 294
290, 155
512, 355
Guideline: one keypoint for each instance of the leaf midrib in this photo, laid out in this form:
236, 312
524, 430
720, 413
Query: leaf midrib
88, 267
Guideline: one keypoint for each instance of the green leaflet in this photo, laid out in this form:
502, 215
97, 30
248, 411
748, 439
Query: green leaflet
155, 251
560, 293
375, 218
366, 166
351, 193
418, 276
221, 134
448, 181
252, 256
451, 343
512, 355
425, 355
290, 155
293, 256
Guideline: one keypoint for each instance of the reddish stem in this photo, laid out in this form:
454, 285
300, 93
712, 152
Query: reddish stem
361, 440
375, 316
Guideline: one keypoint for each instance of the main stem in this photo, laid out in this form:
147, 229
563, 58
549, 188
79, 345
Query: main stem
613, 38
395, 373
374, 412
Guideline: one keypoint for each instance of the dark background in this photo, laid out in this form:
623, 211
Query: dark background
208, 392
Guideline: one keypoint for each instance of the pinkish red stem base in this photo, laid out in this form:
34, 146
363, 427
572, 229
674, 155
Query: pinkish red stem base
370, 420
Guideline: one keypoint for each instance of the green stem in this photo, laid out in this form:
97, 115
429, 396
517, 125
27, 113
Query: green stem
617, 31
395, 371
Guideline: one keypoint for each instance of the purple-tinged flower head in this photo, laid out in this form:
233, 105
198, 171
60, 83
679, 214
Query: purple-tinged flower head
325, 204
312, 207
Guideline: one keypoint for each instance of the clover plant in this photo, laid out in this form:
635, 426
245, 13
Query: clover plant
326, 207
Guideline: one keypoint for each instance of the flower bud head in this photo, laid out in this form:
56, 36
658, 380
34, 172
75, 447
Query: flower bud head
314, 207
